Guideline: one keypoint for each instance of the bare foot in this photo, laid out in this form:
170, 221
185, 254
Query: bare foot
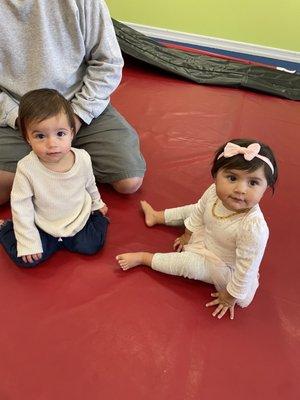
152, 217
130, 260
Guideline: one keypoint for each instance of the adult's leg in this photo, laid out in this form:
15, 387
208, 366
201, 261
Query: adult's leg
9, 242
114, 149
91, 238
12, 148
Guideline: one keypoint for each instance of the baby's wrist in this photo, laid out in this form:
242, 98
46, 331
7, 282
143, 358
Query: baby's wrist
229, 298
187, 233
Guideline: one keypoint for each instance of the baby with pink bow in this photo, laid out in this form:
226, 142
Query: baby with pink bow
225, 232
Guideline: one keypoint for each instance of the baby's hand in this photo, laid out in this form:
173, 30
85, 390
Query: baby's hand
30, 258
103, 210
181, 241
224, 302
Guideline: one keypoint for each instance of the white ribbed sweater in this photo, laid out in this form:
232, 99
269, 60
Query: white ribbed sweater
60, 203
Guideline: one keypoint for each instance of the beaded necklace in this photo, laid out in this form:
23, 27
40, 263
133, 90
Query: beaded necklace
225, 216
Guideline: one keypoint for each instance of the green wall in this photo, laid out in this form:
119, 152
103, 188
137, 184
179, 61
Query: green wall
272, 23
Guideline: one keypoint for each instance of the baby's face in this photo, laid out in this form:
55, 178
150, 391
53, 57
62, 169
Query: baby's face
238, 189
51, 138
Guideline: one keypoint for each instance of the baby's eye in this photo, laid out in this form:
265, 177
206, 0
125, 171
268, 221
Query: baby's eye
231, 178
253, 183
40, 136
60, 134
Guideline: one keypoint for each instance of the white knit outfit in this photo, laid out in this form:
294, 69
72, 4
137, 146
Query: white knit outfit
59, 203
225, 252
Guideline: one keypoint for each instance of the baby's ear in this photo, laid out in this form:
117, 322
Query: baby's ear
25, 136
17, 122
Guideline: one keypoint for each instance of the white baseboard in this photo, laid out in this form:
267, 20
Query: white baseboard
216, 43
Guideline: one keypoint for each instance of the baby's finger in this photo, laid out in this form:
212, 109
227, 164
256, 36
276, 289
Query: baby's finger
217, 310
35, 257
223, 312
176, 243
231, 311
212, 303
24, 259
29, 259
216, 294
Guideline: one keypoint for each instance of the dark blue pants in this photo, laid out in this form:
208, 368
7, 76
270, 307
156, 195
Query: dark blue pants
89, 240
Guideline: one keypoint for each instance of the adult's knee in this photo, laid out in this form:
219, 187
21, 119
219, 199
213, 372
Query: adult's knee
128, 185
6, 181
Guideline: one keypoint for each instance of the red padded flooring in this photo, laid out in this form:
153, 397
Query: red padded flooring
79, 328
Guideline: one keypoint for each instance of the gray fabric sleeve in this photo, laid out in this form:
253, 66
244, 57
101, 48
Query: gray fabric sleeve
104, 61
8, 110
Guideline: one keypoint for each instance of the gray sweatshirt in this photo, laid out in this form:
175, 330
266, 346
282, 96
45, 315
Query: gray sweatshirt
68, 45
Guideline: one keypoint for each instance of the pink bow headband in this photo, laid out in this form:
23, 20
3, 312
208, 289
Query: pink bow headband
249, 153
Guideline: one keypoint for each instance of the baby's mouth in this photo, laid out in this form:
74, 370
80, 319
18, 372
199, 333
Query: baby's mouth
237, 199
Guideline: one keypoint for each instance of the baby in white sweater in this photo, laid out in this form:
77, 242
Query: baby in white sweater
55, 201
225, 232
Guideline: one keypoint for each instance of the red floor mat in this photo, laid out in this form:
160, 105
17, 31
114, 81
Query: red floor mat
79, 328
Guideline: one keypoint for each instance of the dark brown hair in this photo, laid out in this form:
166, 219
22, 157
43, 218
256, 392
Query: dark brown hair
238, 161
38, 105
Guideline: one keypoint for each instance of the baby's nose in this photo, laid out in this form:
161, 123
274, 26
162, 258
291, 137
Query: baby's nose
52, 141
241, 187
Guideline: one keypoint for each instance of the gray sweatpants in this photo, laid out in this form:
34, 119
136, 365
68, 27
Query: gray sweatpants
111, 142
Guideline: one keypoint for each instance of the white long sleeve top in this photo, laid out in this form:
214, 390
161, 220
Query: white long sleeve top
67, 45
59, 203
238, 241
